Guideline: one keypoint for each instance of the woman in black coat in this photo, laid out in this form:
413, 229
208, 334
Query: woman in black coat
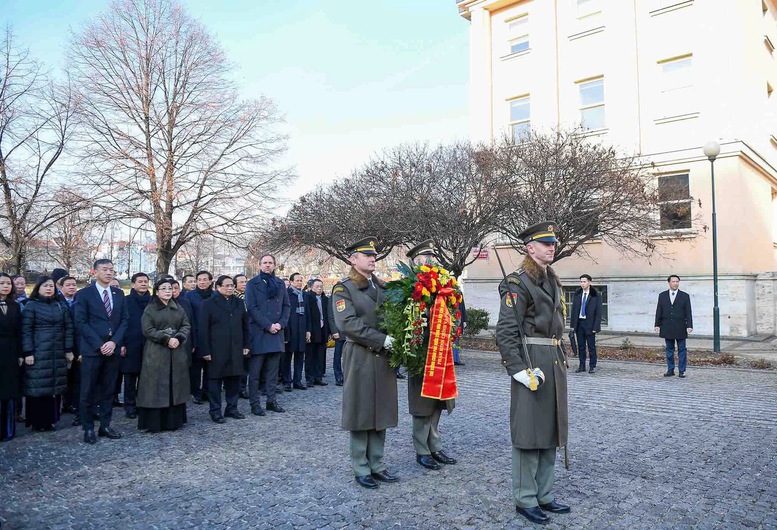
10, 357
223, 343
47, 342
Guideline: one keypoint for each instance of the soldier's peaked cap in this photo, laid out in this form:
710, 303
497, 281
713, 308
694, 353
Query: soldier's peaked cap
367, 246
426, 247
544, 231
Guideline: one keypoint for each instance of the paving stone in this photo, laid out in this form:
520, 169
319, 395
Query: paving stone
645, 452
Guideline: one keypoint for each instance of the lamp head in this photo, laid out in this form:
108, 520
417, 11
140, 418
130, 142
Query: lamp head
712, 149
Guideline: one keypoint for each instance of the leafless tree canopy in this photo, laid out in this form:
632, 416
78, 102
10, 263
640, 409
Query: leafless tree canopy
463, 196
35, 124
588, 189
167, 138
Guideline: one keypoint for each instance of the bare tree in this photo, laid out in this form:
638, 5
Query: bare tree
590, 190
35, 124
72, 234
167, 139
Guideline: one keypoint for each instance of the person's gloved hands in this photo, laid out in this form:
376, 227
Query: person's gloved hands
388, 343
531, 379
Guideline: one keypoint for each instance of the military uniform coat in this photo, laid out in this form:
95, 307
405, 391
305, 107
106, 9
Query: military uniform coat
370, 384
538, 420
223, 334
161, 322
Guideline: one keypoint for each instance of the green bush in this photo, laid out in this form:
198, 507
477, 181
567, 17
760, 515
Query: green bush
477, 321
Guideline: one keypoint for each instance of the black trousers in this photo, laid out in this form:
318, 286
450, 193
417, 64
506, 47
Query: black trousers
130, 392
244, 377
584, 341
98, 381
232, 391
72, 396
266, 364
315, 357
198, 378
298, 358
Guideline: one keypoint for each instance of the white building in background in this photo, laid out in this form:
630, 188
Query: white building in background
658, 78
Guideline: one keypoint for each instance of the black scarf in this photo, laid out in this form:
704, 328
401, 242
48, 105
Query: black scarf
204, 293
269, 279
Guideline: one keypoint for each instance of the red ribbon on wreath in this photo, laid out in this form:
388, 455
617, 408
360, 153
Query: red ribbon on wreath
439, 374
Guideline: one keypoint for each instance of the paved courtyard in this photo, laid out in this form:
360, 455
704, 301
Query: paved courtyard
645, 451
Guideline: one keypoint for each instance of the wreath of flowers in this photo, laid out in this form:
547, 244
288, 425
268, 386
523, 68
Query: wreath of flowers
405, 311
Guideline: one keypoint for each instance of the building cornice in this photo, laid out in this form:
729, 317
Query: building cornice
466, 6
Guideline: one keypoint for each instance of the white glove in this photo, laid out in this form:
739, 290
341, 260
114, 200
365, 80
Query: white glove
388, 343
530, 378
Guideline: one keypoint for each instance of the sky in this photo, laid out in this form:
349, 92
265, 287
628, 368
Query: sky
351, 77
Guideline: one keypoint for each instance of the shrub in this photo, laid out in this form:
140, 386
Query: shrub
477, 321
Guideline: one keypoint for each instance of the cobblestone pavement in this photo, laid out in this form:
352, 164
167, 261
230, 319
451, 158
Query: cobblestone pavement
646, 452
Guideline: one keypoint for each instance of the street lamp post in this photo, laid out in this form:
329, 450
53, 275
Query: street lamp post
711, 151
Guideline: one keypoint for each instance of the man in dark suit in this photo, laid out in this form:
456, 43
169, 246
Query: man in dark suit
101, 324
268, 307
315, 350
297, 334
586, 321
674, 321
132, 349
198, 371
67, 289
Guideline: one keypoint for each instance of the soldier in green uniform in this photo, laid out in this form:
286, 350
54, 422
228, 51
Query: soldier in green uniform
538, 418
426, 411
370, 384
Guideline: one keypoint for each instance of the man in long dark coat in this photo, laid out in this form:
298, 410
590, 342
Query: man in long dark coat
223, 344
132, 350
297, 333
370, 385
532, 306
315, 350
674, 322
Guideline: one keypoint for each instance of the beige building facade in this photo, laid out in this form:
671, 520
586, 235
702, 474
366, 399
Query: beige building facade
659, 78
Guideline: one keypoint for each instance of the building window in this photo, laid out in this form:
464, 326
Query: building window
588, 9
592, 103
518, 31
676, 86
569, 296
674, 196
520, 118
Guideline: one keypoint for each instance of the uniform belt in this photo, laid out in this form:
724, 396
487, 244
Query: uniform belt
541, 341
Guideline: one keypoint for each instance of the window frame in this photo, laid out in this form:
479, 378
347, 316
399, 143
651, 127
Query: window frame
688, 201
522, 122
523, 37
600, 104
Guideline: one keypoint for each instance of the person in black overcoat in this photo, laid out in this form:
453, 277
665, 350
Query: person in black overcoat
47, 343
190, 344
10, 357
315, 353
198, 375
132, 350
223, 344
297, 334
68, 288
586, 321
674, 321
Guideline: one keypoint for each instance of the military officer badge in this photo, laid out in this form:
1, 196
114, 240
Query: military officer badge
340, 306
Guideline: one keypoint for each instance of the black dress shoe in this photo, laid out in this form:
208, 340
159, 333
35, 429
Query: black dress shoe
385, 476
320, 383
459, 363
259, 411
235, 415
428, 462
339, 383
555, 507
132, 415
287, 388
669, 373
682, 375
299, 387
580, 368
108, 432
592, 370
367, 482
70, 409
197, 401
533, 514
90, 437
243, 394
76, 422
219, 419
273, 406
400, 375
442, 458
118, 403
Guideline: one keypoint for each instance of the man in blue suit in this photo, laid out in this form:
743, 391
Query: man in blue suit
101, 323
267, 301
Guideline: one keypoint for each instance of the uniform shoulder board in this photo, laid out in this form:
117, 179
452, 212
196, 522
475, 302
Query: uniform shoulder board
513, 279
338, 288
